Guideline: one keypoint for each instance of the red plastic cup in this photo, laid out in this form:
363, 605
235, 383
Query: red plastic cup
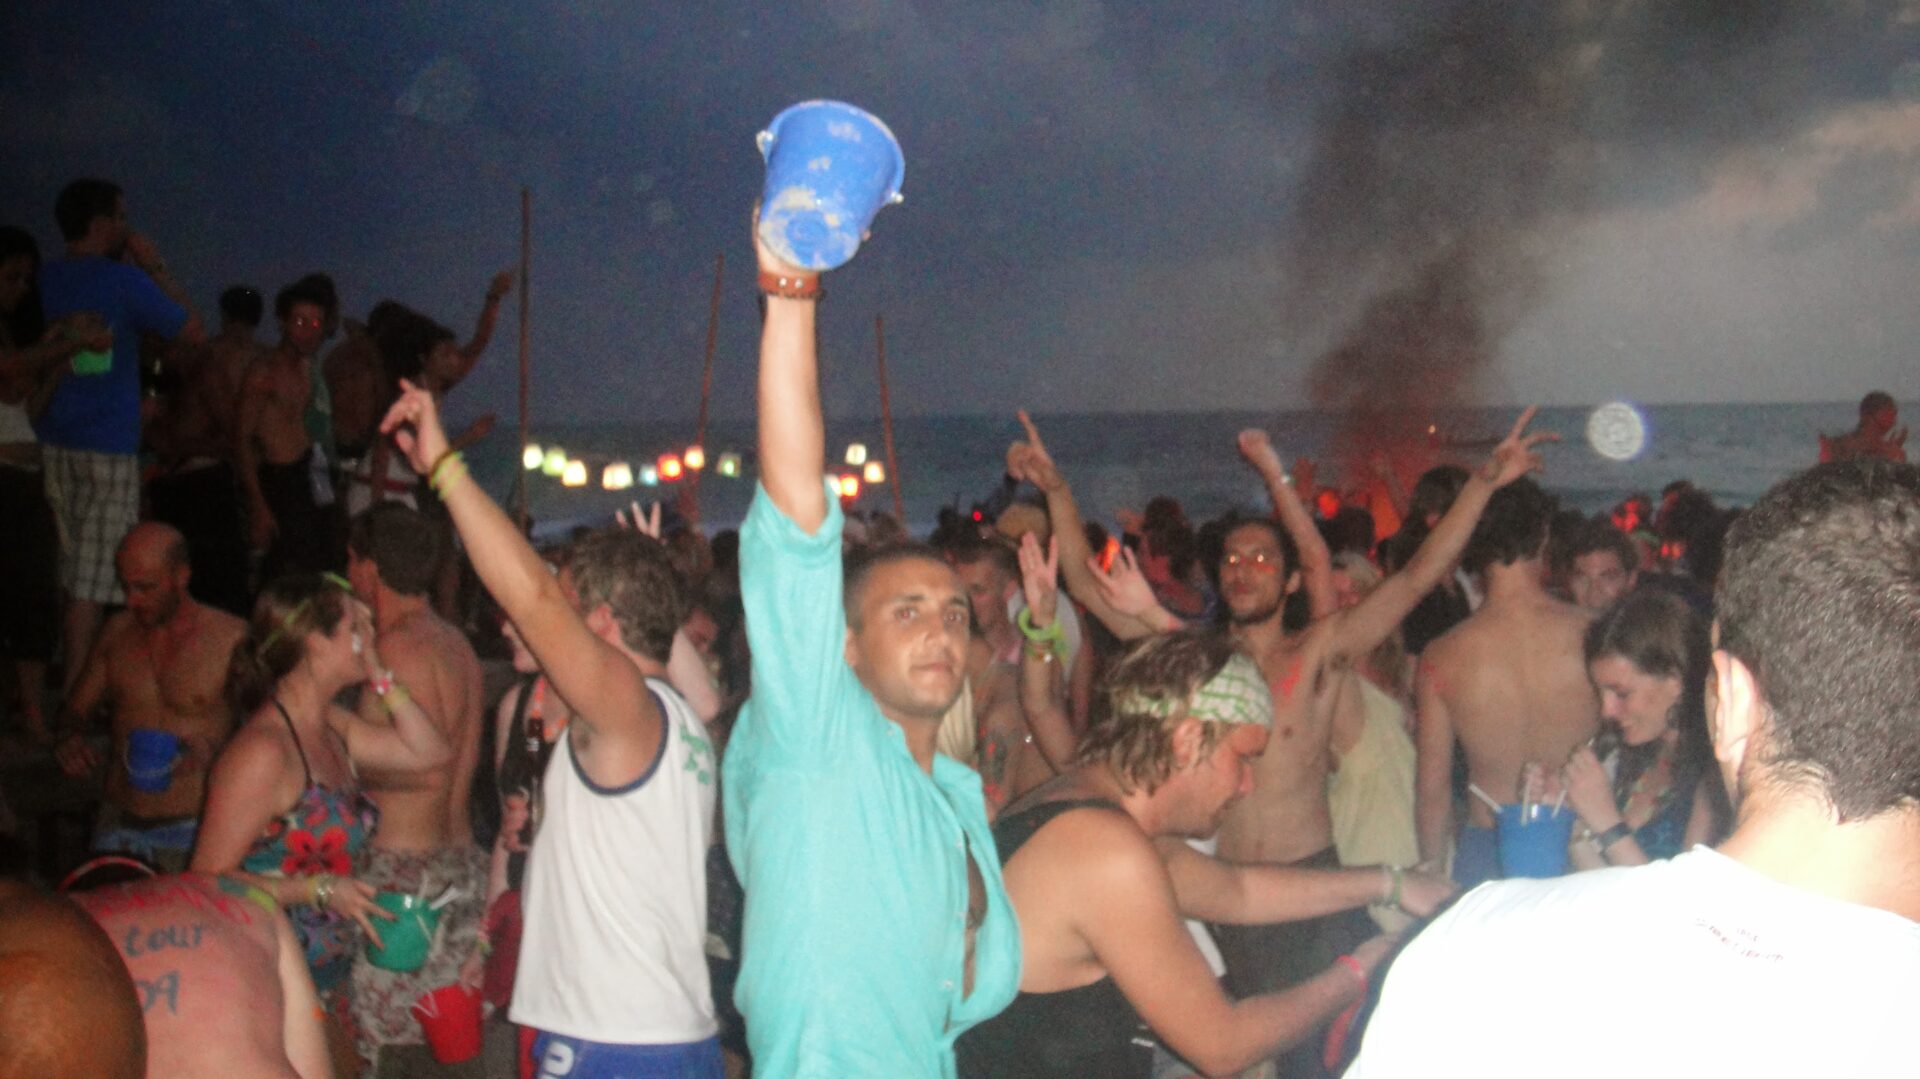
450, 1018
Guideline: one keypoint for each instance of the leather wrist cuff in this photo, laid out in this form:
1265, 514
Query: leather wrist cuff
791, 286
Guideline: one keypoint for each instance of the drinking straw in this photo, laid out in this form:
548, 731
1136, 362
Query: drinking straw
1526, 797
1474, 789
1559, 800
452, 893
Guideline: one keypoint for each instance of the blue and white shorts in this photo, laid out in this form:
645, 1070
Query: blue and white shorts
556, 1056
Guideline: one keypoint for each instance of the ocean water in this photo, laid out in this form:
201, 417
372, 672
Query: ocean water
1120, 460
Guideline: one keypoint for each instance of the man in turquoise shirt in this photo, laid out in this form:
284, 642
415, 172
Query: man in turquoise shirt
877, 927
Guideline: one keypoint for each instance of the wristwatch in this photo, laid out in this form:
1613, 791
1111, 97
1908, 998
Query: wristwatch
1612, 835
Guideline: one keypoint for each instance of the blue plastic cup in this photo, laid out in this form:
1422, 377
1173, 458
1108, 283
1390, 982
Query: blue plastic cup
830, 168
151, 756
1534, 845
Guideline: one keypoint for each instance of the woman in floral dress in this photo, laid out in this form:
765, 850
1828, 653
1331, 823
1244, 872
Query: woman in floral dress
284, 809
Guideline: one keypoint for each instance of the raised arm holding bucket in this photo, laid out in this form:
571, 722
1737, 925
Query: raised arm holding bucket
830, 168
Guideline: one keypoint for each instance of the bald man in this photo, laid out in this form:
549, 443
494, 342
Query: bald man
220, 978
174, 976
160, 666
67, 1004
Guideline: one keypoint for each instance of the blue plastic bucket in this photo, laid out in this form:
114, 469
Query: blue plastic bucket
1536, 845
405, 941
830, 168
151, 756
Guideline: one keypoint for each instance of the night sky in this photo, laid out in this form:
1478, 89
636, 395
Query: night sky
1109, 206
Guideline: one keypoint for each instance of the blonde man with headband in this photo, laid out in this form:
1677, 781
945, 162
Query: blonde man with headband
1101, 878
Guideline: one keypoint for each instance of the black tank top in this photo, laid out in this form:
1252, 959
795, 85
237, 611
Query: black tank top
1088, 1031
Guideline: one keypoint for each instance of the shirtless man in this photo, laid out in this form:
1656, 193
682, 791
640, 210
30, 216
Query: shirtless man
1874, 436
67, 1004
198, 420
1286, 820
1008, 759
1602, 566
289, 496
424, 845
1510, 683
450, 364
219, 975
991, 575
197, 490
161, 665
363, 373
357, 386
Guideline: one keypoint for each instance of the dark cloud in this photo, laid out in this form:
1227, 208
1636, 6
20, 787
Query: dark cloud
1108, 205
1462, 142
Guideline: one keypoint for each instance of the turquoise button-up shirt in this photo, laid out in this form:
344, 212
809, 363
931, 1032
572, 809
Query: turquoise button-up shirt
854, 860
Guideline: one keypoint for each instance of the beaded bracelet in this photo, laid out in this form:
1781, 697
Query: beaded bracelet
450, 467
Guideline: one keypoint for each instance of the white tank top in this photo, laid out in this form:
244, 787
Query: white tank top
616, 896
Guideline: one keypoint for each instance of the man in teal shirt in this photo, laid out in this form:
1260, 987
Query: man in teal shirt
877, 927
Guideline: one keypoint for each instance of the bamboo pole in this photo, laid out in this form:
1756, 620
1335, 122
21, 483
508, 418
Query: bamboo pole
886, 418
526, 364
706, 374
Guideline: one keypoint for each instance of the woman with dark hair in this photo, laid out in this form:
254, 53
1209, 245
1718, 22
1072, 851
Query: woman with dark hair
31, 355
1649, 788
284, 808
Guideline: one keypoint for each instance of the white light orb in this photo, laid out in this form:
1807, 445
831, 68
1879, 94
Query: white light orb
1616, 431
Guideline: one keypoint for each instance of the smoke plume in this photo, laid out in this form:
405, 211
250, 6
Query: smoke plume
1463, 142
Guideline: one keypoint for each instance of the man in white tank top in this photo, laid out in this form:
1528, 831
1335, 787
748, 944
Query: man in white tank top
613, 973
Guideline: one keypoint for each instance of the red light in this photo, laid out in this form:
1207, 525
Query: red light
670, 467
849, 487
978, 516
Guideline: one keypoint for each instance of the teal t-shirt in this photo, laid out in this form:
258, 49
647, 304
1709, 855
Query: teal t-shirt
853, 859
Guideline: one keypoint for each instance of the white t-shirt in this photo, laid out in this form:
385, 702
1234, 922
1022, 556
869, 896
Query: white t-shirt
1695, 966
614, 948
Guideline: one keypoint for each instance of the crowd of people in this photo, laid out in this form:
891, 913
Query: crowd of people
814, 798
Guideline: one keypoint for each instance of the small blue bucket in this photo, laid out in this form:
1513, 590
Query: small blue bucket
1534, 845
151, 756
830, 168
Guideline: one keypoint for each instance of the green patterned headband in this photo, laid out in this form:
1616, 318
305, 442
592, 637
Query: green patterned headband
300, 609
1238, 694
